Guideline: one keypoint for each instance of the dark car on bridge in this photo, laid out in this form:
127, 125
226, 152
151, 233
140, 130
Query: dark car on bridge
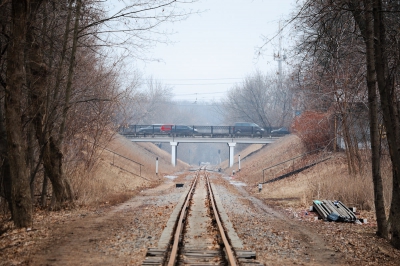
282, 130
178, 130
152, 129
247, 128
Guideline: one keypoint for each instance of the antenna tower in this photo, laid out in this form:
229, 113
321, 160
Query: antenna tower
280, 57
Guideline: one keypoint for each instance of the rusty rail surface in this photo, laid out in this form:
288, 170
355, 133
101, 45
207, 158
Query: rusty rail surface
179, 227
228, 249
230, 257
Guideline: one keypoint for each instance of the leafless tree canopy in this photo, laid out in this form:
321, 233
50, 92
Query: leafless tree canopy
348, 62
147, 103
62, 89
260, 99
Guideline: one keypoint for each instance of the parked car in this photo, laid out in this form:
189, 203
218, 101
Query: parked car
178, 129
155, 128
247, 128
282, 130
166, 128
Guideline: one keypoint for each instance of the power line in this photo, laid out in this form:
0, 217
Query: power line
201, 93
198, 79
200, 84
175, 82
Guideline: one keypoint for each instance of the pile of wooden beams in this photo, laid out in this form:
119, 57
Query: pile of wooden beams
333, 211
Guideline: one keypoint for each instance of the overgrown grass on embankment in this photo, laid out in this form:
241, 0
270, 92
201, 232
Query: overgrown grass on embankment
114, 179
325, 180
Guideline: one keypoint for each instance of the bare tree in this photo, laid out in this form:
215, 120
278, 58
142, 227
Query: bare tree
386, 59
364, 21
16, 146
147, 102
376, 25
5, 177
261, 100
55, 74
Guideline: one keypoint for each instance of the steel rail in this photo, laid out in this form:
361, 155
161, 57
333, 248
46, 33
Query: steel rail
228, 249
179, 227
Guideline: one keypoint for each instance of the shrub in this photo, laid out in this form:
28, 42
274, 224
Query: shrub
314, 129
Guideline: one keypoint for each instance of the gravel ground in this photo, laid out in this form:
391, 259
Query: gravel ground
264, 230
298, 237
120, 235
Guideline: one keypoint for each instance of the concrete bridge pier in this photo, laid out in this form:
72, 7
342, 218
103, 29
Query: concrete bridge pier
231, 153
174, 149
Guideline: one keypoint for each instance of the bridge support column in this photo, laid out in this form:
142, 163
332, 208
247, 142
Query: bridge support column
174, 148
231, 153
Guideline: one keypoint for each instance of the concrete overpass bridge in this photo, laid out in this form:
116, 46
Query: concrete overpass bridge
200, 134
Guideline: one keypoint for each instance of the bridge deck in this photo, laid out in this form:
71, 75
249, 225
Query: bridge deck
199, 139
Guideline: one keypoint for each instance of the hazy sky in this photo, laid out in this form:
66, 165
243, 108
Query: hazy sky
216, 49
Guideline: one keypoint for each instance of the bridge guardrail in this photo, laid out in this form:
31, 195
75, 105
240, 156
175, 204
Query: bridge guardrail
202, 131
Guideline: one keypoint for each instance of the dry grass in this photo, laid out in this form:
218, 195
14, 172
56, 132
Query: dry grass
257, 157
326, 180
115, 178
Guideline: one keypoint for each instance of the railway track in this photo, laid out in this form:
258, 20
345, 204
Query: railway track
199, 236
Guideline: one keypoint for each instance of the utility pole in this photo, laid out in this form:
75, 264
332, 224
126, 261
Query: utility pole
280, 57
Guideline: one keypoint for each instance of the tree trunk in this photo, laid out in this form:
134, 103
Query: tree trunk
63, 52
381, 218
30, 159
16, 146
366, 26
348, 143
388, 104
61, 188
5, 168
70, 74
43, 196
52, 156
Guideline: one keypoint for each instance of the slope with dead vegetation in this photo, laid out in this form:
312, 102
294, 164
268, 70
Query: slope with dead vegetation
116, 171
123, 169
327, 178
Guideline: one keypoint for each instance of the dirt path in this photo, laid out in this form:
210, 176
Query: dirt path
311, 246
82, 241
117, 235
